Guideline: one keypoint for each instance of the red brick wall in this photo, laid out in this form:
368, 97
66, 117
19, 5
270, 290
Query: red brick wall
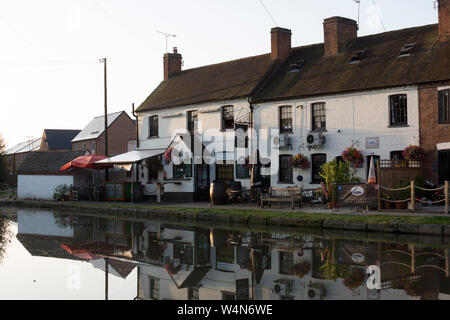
444, 20
337, 31
172, 64
431, 132
44, 144
280, 40
120, 132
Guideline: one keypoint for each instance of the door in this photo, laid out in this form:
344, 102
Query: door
444, 166
201, 182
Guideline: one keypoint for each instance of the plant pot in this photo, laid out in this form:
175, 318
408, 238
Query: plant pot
401, 205
387, 205
332, 204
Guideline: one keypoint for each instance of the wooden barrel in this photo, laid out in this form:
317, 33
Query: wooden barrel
217, 192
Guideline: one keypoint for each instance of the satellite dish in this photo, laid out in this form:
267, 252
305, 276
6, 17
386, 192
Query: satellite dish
300, 178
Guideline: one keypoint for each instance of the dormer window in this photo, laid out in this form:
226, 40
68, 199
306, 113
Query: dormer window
357, 56
295, 67
407, 50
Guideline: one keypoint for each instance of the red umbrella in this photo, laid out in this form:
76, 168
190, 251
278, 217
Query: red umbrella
86, 162
80, 252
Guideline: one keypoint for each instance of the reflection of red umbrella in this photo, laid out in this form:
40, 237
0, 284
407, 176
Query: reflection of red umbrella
80, 253
86, 162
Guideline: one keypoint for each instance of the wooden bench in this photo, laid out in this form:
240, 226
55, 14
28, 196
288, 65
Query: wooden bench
290, 195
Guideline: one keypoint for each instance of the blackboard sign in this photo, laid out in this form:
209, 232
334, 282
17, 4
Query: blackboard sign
242, 289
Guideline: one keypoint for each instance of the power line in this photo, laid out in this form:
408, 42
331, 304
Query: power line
276, 24
45, 62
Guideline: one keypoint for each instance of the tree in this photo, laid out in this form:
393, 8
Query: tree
5, 236
3, 167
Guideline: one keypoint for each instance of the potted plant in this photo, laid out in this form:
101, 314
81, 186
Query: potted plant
386, 203
413, 153
402, 195
354, 156
414, 289
300, 161
334, 173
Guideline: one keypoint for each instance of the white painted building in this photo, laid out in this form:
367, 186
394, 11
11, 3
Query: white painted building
347, 91
39, 174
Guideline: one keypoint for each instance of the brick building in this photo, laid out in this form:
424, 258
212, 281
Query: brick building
121, 130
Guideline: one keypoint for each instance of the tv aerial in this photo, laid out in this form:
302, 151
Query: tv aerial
167, 35
358, 2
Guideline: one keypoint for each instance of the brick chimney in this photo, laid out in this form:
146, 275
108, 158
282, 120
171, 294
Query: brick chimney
444, 20
337, 31
172, 63
280, 39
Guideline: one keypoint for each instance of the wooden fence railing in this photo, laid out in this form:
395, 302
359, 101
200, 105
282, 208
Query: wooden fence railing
412, 195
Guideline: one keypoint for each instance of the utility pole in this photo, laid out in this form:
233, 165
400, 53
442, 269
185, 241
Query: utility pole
103, 60
106, 278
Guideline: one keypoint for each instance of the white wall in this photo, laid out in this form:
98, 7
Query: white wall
41, 222
350, 119
174, 120
356, 116
40, 186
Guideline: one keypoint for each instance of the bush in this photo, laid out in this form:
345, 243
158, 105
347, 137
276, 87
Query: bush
62, 192
420, 182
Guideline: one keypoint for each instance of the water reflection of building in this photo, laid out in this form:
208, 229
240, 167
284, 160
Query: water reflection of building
76, 237
180, 262
275, 266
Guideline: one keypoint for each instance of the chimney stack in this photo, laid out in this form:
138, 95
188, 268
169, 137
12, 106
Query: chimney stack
172, 63
337, 31
280, 43
444, 20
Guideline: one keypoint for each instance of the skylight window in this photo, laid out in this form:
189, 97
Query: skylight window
407, 50
295, 67
357, 56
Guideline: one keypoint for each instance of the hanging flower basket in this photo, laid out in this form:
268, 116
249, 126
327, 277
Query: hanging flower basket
300, 161
300, 269
168, 154
354, 156
171, 268
413, 153
355, 279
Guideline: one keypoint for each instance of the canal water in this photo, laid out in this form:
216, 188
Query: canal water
53, 255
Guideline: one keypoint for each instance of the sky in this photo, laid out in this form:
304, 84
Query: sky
56, 279
51, 77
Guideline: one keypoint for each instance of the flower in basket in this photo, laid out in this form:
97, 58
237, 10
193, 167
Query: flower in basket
355, 279
354, 156
300, 269
413, 153
168, 154
300, 161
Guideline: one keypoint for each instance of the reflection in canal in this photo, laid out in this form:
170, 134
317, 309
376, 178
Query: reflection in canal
142, 259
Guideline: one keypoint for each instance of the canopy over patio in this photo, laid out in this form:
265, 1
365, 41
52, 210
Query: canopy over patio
131, 157
86, 161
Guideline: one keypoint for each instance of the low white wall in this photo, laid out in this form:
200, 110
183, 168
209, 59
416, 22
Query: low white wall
40, 186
